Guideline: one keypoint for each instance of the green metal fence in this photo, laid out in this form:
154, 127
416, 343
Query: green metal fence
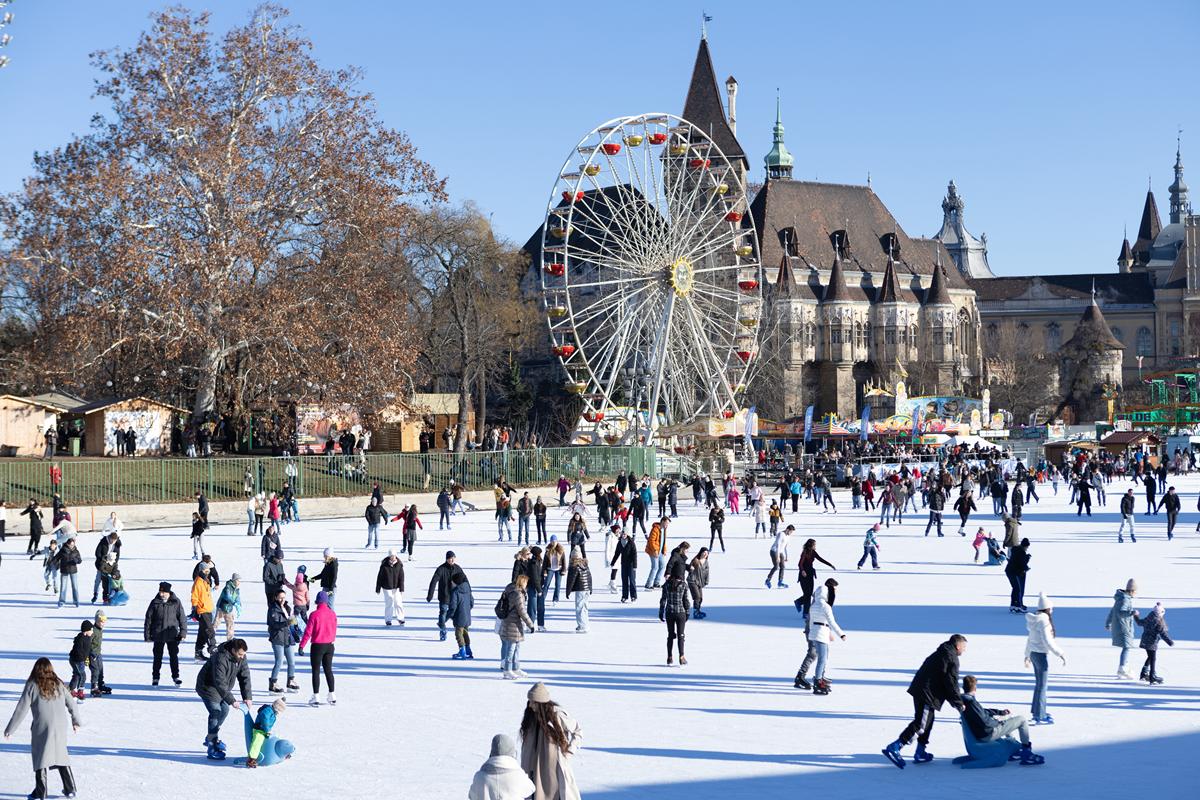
120, 481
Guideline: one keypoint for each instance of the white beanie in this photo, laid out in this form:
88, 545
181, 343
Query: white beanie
328, 552
1044, 603
391, 552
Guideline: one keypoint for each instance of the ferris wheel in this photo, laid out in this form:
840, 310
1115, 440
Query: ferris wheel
651, 284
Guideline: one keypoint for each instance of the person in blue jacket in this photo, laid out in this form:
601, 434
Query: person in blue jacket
459, 612
264, 721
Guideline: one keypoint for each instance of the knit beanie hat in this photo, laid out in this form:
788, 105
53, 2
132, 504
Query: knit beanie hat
280, 705
303, 570
1044, 603
538, 693
86, 625
234, 578
449, 554
503, 745
322, 597
1131, 586
164, 587
328, 552
1161, 609
101, 616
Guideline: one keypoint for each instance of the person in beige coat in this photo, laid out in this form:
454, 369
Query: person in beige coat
549, 736
47, 698
511, 627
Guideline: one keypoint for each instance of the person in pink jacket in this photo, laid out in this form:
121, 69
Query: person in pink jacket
321, 631
300, 594
273, 510
980, 538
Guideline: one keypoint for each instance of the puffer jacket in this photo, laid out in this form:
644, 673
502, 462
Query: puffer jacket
512, 627
165, 620
216, 678
1120, 620
579, 578
822, 624
1041, 637
1154, 627
461, 603
697, 572
279, 623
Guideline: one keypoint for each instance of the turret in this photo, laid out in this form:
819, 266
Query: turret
939, 318
778, 160
1180, 207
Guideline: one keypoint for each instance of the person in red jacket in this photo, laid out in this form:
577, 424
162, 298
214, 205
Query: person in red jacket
321, 631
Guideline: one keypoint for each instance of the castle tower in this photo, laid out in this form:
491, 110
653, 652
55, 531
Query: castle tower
843, 340
731, 88
795, 319
1090, 366
1125, 259
939, 318
969, 253
778, 160
1148, 229
1180, 207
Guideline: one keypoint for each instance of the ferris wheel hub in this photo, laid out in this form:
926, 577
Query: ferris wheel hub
682, 276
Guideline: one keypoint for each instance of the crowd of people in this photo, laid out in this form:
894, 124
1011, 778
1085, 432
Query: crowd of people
551, 566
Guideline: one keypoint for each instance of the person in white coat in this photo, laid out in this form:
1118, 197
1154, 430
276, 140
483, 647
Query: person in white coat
822, 629
501, 776
1038, 645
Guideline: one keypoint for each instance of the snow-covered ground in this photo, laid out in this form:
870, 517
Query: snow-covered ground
412, 723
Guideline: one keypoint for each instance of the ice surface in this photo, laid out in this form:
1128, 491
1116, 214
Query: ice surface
412, 723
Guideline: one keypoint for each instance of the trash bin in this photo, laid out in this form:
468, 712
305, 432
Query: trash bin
75, 446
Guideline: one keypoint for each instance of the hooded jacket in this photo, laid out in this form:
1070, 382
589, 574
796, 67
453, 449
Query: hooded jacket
1154, 627
501, 778
461, 603
391, 576
937, 680
1041, 636
822, 624
165, 620
220, 672
1120, 620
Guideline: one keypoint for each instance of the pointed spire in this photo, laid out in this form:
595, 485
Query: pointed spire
1179, 190
938, 294
1149, 228
889, 289
837, 289
1126, 257
778, 160
1093, 329
785, 281
705, 109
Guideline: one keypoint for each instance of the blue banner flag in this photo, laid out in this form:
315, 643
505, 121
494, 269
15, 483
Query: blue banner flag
808, 424
865, 423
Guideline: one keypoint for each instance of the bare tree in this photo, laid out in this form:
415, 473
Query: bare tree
1022, 379
221, 231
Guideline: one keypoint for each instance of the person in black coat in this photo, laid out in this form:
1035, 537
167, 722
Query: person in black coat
202, 507
165, 626
107, 544
214, 684
1151, 489
390, 582
937, 502
626, 553
69, 558
442, 580
1171, 503
1014, 570
35, 525
935, 683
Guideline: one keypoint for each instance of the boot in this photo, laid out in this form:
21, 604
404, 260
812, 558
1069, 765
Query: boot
461, 654
292, 687
612, 587
821, 687
274, 688
105, 689
251, 763
800, 682
470, 655
1145, 676
1155, 679
329, 698
892, 753
1029, 758
68, 780
922, 756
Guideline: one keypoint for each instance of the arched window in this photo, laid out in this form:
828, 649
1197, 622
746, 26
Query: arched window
1145, 342
1175, 326
1053, 337
1120, 334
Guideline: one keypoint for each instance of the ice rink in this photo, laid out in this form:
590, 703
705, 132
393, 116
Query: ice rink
412, 723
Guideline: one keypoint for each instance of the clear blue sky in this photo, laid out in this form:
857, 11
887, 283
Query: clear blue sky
1050, 116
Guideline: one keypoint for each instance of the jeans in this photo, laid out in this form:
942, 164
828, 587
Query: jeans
1004, 727
294, 506
822, 657
197, 546
628, 583
62, 588
503, 526
50, 573
456, 506
556, 576
443, 614
869, 551
1126, 521
443, 518
283, 651
249, 521
1040, 667
393, 605
542, 536
510, 655
777, 563
373, 535
535, 606
78, 675
97, 584
581, 610
218, 709
657, 565
1125, 651
523, 528
96, 662
1017, 582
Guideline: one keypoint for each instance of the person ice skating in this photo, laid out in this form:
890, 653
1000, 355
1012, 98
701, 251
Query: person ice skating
1121, 618
35, 525
110, 543
166, 626
935, 683
328, 575
202, 612
554, 566
1151, 490
993, 724
300, 594
49, 555
579, 583
68, 561
549, 737
273, 578
1038, 645
626, 553
264, 723
656, 549
697, 579
44, 696
807, 572
980, 538
390, 582
1170, 503
206, 563
214, 685
871, 546
1154, 627
716, 524
514, 620
442, 580
539, 519
673, 608
503, 519
375, 515
412, 521
321, 630
1127, 514
443, 507
81, 649
501, 776
1015, 570
459, 612
822, 627
937, 502
279, 632
229, 605
779, 556
197, 536
1083, 494
577, 533
96, 657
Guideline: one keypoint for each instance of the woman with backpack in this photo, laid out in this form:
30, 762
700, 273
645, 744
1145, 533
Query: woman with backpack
512, 622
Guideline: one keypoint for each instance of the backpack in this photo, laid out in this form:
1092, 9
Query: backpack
502, 607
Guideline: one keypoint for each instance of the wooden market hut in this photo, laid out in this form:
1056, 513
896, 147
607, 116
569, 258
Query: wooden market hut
151, 421
23, 424
1120, 443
